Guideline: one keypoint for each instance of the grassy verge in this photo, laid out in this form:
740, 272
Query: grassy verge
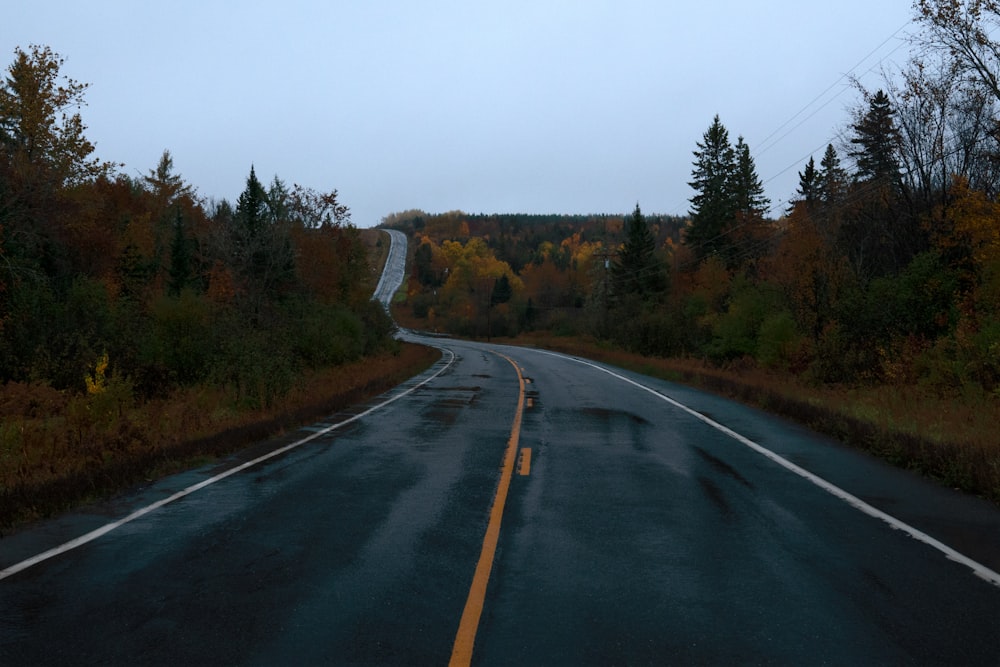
950, 439
57, 451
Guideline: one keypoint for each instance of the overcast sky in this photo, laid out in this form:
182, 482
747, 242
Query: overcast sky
537, 106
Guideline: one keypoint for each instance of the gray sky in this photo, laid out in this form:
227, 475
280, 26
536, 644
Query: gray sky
497, 107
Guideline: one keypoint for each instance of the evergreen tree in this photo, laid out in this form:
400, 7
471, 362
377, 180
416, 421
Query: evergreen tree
808, 193
502, 291
882, 236
279, 201
877, 139
713, 206
261, 248
832, 179
252, 211
638, 271
747, 190
180, 259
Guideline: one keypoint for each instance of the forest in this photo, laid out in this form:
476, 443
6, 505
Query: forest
883, 270
135, 313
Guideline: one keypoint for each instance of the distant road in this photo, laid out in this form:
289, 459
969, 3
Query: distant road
514, 506
394, 270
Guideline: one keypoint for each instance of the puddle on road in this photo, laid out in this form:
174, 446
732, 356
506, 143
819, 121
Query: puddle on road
446, 410
608, 415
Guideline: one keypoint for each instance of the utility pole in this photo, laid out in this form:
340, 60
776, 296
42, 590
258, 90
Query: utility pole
605, 255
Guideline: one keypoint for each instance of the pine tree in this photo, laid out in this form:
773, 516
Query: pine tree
713, 206
877, 139
747, 190
808, 193
638, 271
881, 237
279, 201
251, 208
502, 291
832, 178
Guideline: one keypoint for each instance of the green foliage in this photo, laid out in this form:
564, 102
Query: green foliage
136, 277
180, 338
502, 291
778, 340
713, 206
638, 271
735, 332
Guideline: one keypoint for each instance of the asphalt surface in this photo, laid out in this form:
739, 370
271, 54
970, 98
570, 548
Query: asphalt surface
641, 533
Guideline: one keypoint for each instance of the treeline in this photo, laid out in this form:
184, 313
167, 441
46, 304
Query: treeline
127, 287
549, 261
885, 268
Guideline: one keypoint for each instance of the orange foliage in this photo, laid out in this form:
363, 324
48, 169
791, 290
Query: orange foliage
808, 269
221, 286
975, 222
317, 263
545, 284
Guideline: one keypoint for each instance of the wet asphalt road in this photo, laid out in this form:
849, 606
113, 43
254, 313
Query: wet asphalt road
639, 535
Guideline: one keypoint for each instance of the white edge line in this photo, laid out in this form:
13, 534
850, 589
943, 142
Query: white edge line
896, 524
107, 528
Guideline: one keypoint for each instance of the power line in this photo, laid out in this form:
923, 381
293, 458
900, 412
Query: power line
765, 146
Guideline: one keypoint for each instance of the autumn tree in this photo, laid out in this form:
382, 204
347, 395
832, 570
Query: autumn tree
43, 150
167, 186
41, 134
312, 208
962, 29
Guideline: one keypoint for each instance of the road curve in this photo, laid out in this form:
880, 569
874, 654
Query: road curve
644, 523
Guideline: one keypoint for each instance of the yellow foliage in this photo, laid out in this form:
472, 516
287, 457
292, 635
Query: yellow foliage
977, 220
97, 382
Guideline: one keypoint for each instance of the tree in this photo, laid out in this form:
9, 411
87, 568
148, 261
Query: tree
747, 190
180, 259
167, 187
279, 201
832, 179
751, 237
312, 209
962, 29
38, 132
808, 193
261, 249
879, 237
252, 211
713, 205
502, 291
637, 270
877, 140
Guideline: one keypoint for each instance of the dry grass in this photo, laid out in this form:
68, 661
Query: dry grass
58, 450
953, 440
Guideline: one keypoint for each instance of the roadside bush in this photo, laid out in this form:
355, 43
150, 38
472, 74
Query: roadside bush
778, 340
735, 331
180, 339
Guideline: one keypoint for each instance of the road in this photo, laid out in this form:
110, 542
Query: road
512, 506
394, 270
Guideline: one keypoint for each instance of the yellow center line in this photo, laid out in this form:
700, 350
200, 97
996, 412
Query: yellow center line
461, 652
524, 467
